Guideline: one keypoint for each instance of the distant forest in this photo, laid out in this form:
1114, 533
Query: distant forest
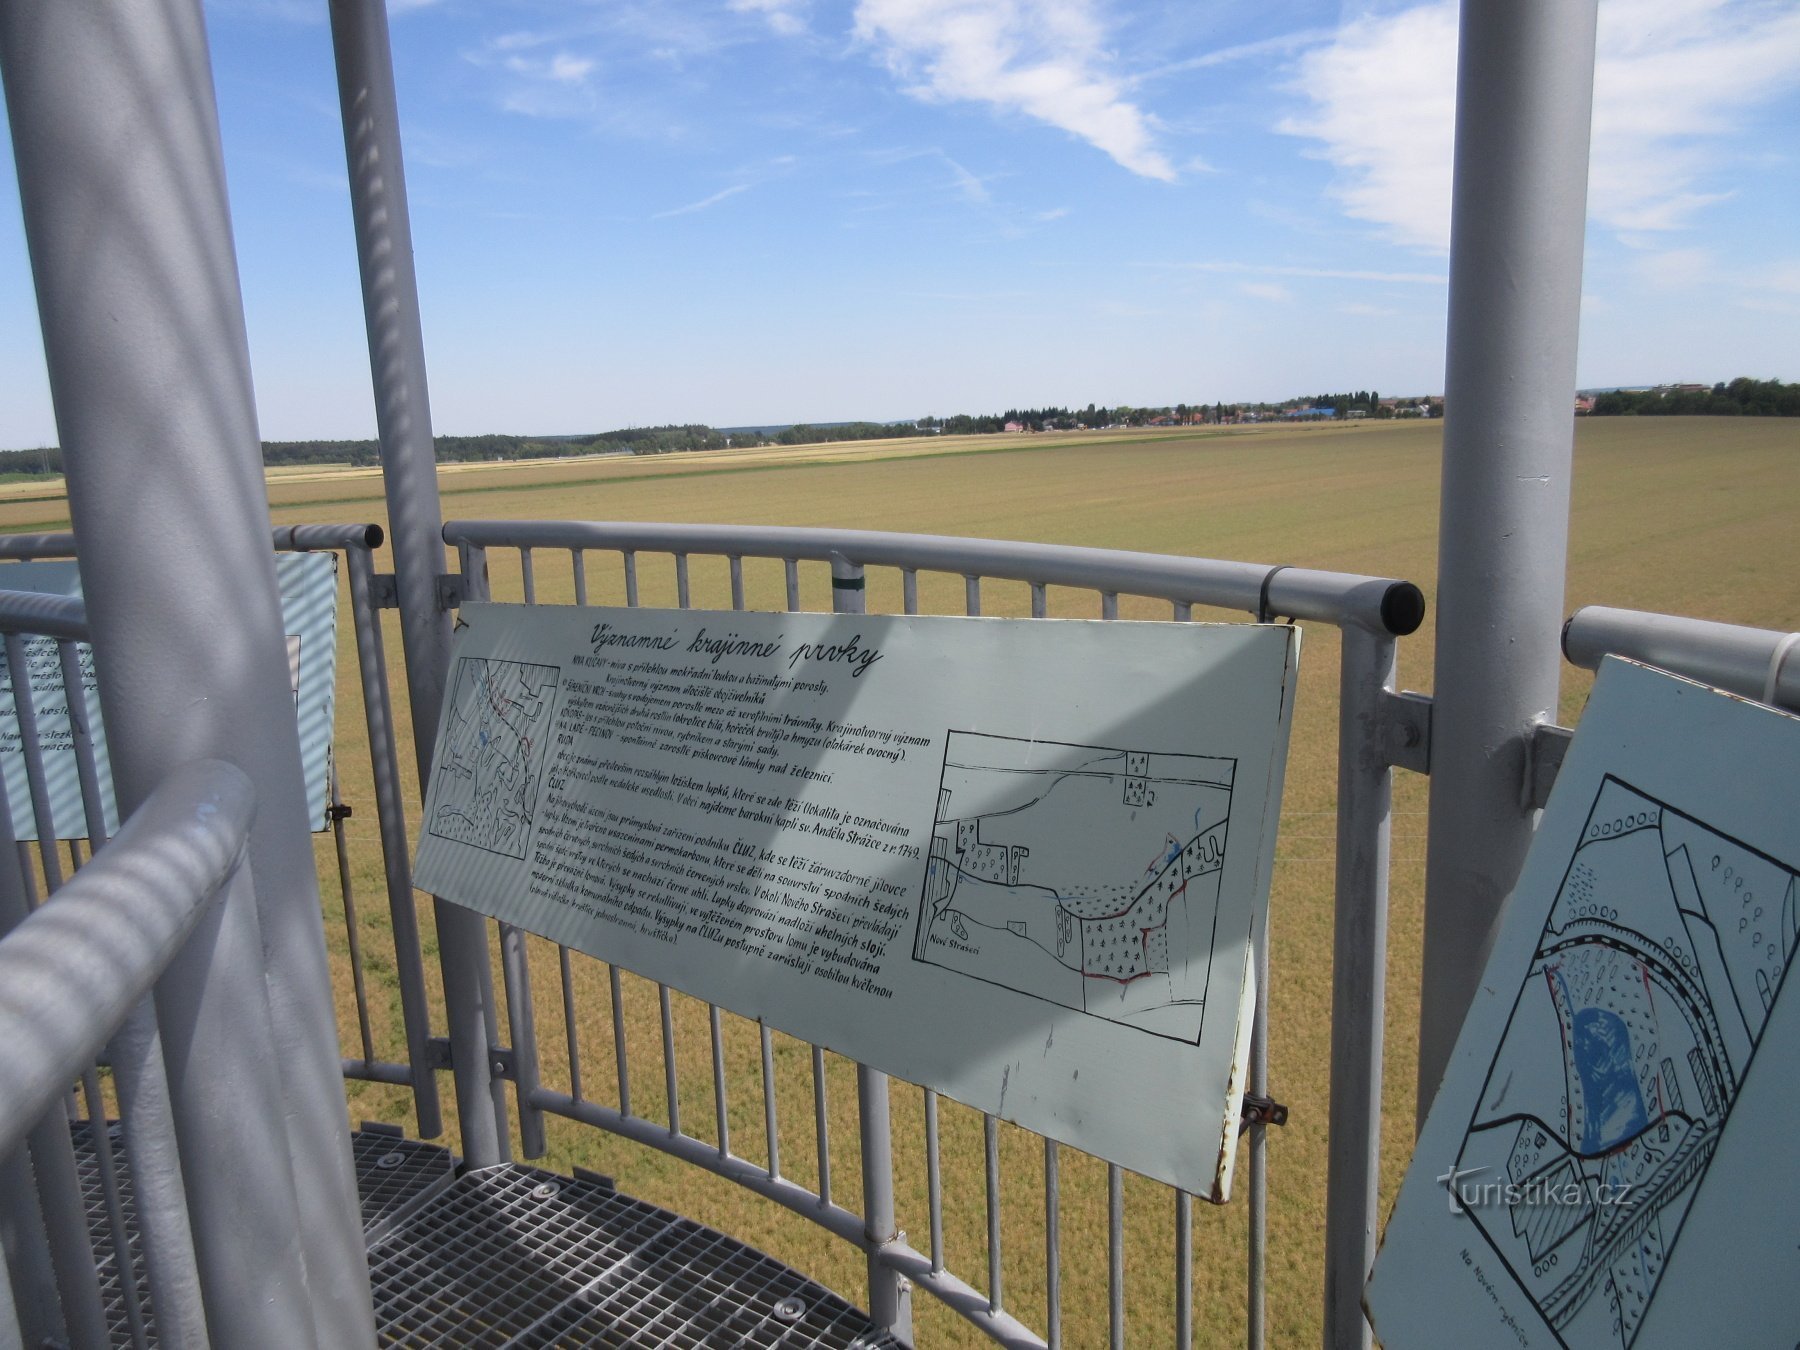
1741, 397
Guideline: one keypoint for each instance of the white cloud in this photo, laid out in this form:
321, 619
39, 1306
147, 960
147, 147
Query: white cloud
783, 16
1673, 85
1266, 290
1384, 92
1045, 59
1675, 269
703, 203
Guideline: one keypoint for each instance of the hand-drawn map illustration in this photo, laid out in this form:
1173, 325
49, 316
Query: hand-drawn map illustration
1626, 1049
491, 753
1080, 874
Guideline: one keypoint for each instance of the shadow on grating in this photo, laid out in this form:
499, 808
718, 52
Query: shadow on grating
395, 1175
515, 1256
519, 1257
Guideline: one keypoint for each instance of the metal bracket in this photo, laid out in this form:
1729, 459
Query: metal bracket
1406, 730
1262, 1111
452, 591
1544, 752
437, 1053
339, 811
384, 590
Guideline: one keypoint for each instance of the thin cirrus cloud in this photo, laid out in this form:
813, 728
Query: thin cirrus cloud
1674, 82
1045, 59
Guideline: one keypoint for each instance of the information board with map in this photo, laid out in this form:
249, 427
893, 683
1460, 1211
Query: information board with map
1020, 861
1609, 1160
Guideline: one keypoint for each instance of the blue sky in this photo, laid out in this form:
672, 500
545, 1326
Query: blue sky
746, 211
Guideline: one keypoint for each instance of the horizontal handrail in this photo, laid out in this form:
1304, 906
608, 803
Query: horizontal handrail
287, 539
42, 614
1753, 662
77, 965
1380, 604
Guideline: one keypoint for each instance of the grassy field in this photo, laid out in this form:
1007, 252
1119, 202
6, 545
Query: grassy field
1693, 516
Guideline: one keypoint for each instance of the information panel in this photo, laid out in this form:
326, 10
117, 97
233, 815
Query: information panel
308, 585
1610, 1159
1019, 861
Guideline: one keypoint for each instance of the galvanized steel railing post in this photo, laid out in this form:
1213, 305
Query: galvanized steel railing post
890, 1293
390, 815
1524, 97
1358, 982
116, 137
409, 472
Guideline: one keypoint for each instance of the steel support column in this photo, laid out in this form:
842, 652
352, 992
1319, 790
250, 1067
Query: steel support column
1525, 79
116, 136
371, 116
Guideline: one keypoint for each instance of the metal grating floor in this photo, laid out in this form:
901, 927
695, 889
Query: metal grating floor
519, 1257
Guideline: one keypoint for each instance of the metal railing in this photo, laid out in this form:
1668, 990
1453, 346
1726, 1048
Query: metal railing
355, 545
1371, 612
75, 976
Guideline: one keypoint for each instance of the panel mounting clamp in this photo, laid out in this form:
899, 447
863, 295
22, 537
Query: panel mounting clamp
1406, 730
1545, 748
452, 591
384, 591
1258, 1110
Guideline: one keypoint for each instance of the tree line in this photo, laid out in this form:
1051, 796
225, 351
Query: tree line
1742, 397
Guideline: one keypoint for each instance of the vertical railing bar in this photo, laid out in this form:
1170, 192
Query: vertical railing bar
81, 735
65, 1223
934, 1181
821, 1124
771, 1129
1115, 1255
74, 855
526, 574
790, 568
390, 819
578, 569
1184, 1270
521, 1019
25, 711
1184, 611
671, 1088
351, 934
1359, 983
737, 581
631, 587
141, 1083
621, 1058
1040, 600
28, 875
682, 599
890, 1296
909, 590
1258, 1253
990, 1138
1052, 1247
107, 1166
972, 595
721, 1099
570, 1034
25, 1261
1109, 604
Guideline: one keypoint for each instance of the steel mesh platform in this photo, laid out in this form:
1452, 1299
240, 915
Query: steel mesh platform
516, 1256
519, 1257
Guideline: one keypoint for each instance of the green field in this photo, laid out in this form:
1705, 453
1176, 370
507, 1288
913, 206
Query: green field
1688, 515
